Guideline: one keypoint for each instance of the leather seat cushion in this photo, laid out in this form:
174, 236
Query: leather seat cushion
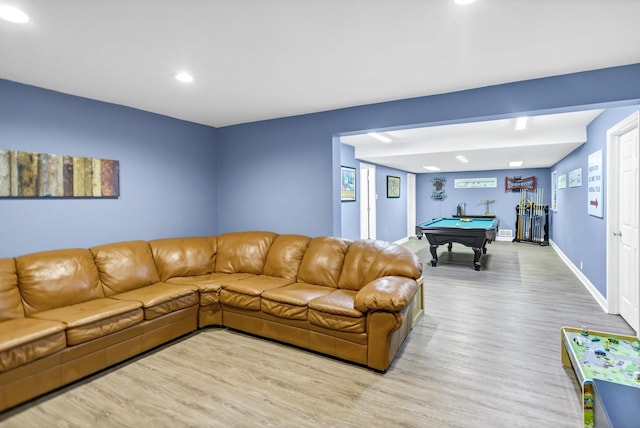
209, 285
245, 293
291, 300
162, 298
95, 318
335, 311
23, 340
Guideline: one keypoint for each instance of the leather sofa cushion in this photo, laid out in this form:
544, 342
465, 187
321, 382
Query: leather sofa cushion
395, 260
125, 266
161, 298
285, 256
243, 252
358, 261
10, 300
389, 293
95, 318
335, 311
209, 285
178, 257
368, 260
322, 261
245, 293
291, 300
23, 340
54, 279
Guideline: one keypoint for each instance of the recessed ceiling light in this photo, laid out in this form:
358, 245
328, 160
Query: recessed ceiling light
431, 168
183, 77
463, 2
11, 14
515, 163
462, 159
379, 137
521, 123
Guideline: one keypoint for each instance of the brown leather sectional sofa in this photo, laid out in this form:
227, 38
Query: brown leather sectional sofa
65, 314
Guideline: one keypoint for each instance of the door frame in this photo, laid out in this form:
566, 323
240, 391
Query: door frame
612, 208
368, 195
411, 204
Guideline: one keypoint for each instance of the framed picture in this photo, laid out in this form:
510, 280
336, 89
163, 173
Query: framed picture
393, 186
347, 183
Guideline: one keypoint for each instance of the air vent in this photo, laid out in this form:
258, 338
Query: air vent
505, 233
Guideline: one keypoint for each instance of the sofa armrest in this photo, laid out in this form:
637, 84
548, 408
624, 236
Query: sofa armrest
389, 293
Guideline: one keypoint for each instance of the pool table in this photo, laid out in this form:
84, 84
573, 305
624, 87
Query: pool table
472, 232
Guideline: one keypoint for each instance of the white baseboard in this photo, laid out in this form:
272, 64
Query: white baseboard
402, 241
602, 301
504, 238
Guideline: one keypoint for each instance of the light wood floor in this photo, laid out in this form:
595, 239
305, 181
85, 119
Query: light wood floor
486, 354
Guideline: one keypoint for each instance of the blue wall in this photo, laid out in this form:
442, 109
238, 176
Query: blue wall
581, 237
505, 203
391, 213
168, 183
350, 210
280, 175
298, 160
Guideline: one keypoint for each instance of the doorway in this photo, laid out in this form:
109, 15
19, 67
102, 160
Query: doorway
623, 220
367, 201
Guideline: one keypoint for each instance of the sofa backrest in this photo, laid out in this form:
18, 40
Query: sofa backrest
285, 256
177, 257
358, 261
125, 266
243, 252
323, 260
53, 279
10, 300
395, 260
368, 259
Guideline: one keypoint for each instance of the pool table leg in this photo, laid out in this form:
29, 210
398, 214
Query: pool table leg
450, 246
477, 252
434, 254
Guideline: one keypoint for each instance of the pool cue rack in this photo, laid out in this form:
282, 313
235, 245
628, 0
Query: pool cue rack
532, 219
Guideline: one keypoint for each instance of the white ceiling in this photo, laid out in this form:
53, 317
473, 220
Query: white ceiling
485, 145
263, 59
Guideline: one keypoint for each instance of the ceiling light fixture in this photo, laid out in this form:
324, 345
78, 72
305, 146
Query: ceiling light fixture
431, 168
379, 137
462, 159
513, 164
183, 77
464, 2
521, 123
12, 14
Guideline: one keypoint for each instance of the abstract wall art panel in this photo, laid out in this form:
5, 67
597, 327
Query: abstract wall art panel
41, 175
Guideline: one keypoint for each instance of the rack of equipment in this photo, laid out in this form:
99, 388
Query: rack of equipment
532, 218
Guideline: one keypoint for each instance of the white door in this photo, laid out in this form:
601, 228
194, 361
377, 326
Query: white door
623, 221
629, 219
411, 204
367, 201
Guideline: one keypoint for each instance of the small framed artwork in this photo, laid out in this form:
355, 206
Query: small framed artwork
347, 184
393, 186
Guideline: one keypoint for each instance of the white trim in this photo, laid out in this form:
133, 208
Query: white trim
367, 212
599, 298
411, 204
402, 241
